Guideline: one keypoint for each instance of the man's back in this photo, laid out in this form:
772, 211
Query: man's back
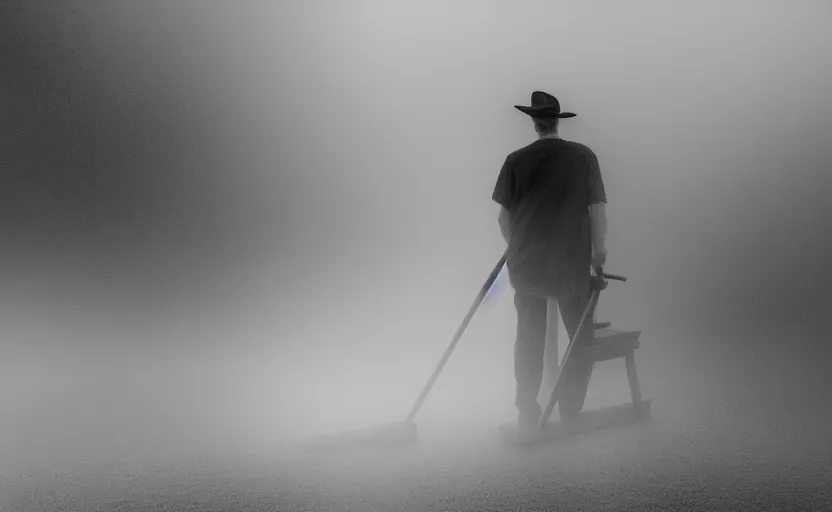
548, 187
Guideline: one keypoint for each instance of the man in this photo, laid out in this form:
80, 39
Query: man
553, 219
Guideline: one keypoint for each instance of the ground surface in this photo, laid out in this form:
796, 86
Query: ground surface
649, 468
755, 446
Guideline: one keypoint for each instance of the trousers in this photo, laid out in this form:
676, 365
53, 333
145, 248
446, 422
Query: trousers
530, 345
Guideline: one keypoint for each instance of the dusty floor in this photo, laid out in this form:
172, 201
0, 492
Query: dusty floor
648, 468
754, 448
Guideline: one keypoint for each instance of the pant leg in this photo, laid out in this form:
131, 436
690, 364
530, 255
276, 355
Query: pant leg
579, 368
528, 353
551, 359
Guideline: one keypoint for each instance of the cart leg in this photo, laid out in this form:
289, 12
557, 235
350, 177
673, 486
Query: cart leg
632, 376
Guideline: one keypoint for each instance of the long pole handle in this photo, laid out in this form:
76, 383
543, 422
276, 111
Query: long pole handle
477, 301
612, 276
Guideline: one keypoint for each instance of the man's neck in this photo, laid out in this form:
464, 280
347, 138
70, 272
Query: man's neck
549, 136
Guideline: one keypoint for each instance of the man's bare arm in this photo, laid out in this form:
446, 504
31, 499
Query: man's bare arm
598, 215
597, 210
504, 218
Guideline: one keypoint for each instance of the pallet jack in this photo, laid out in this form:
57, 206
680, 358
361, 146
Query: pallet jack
606, 344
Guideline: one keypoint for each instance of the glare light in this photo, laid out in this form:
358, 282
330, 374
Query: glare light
499, 284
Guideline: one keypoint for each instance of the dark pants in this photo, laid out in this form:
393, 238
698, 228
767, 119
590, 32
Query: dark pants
531, 343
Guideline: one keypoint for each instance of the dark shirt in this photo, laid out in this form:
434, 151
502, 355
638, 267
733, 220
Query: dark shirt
547, 187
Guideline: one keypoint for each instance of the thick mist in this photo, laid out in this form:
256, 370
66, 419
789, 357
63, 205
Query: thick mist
226, 228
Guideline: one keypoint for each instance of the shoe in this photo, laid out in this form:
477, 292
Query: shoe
527, 433
570, 405
527, 426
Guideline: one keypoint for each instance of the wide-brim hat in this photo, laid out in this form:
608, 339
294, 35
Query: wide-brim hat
545, 106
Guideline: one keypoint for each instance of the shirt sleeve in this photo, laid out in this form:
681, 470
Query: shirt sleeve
597, 192
504, 188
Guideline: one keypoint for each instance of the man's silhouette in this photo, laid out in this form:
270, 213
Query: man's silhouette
553, 219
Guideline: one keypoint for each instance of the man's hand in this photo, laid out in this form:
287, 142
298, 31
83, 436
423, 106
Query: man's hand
599, 257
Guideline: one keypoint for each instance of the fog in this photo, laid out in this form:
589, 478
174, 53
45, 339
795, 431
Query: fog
228, 228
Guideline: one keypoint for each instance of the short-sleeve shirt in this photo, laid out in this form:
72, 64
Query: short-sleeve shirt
548, 187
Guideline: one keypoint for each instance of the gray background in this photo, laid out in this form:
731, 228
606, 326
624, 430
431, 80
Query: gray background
229, 226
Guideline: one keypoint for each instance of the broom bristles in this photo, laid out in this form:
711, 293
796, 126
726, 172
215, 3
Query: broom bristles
387, 434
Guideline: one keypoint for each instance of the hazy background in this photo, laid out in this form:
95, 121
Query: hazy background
234, 224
